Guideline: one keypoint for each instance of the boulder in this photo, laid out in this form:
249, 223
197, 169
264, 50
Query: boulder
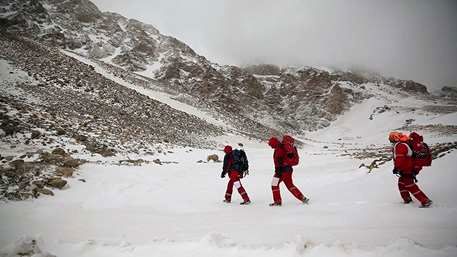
213, 157
80, 138
60, 131
65, 172
38, 183
56, 183
59, 151
72, 163
54, 159
18, 164
35, 134
44, 191
103, 150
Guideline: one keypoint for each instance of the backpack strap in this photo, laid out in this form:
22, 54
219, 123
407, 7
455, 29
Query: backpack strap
408, 154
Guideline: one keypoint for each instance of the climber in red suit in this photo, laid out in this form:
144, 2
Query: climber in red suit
404, 167
234, 178
282, 174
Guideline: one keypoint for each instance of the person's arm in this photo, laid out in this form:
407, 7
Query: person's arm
278, 158
403, 162
226, 165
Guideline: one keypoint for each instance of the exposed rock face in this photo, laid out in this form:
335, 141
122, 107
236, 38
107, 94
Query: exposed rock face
449, 92
263, 69
409, 86
337, 102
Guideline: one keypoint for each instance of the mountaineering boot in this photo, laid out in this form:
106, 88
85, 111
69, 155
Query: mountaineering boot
305, 200
426, 204
407, 201
275, 204
245, 202
226, 201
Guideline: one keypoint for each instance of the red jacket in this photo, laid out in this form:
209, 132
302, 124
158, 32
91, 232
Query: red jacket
403, 160
278, 157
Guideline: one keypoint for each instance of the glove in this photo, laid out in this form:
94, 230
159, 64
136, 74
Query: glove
414, 177
278, 171
395, 171
223, 174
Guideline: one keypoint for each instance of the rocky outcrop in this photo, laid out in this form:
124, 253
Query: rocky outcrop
408, 86
450, 92
263, 69
21, 179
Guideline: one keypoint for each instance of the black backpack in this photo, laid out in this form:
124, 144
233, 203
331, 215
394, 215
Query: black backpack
240, 162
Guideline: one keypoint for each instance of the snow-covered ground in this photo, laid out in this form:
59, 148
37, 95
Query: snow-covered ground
177, 210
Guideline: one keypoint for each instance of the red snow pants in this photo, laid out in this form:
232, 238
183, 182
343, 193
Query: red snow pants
285, 177
406, 185
234, 180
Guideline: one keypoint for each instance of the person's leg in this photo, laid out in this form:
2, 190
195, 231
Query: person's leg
228, 192
415, 191
287, 178
275, 189
403, 191
234, 176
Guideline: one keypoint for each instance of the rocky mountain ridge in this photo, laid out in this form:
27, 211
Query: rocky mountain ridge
259, 99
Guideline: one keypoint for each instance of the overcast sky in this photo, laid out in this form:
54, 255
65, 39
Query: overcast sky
414, 39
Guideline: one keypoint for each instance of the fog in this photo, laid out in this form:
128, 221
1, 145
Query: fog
405, 39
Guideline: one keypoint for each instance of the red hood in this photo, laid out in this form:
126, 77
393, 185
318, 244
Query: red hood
227, 149
286, 139
273, 142
415, 137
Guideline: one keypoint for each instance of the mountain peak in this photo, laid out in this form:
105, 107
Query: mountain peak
265, 96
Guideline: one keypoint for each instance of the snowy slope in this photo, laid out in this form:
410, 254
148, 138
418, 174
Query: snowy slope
355, 126
154, 94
